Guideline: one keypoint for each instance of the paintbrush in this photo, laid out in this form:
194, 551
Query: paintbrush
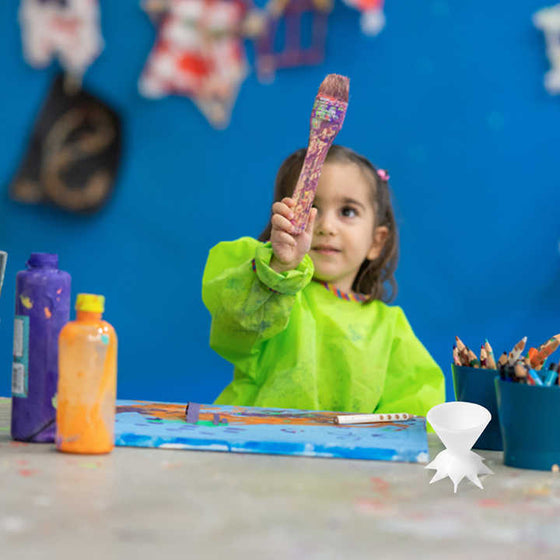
370, 418
3, 261
327, 116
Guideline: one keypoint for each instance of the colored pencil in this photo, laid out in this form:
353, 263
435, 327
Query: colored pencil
483, 357
472, 359
460, 344
456, 359
544, 351
516, 351
520, 372
551, 377
502, 360
532, 374
490, 353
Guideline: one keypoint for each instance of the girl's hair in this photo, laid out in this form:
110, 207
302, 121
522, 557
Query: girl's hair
375, 278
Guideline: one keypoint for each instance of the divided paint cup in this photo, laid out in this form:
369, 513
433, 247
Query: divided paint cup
530, 420
458, 425
476, 385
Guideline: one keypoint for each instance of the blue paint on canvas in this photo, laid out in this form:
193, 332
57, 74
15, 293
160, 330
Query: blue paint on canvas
267, 430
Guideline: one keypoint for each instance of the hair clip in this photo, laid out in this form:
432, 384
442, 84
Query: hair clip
383, 174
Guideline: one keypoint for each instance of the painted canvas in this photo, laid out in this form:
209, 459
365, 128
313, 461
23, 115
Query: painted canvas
266, 430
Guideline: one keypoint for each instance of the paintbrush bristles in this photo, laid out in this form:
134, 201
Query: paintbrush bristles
335, 86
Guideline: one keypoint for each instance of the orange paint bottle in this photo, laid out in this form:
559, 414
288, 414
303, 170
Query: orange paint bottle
87, 383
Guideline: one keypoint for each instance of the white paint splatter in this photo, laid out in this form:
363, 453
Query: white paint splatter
13, 524
422, 457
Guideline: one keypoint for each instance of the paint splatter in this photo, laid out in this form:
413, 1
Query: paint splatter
27, 472
26, 302
539, 490
48, 313
373, 506
13, 524
490, 503
380, 486
90, 465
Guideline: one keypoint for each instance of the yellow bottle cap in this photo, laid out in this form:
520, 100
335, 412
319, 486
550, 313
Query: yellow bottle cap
90, 302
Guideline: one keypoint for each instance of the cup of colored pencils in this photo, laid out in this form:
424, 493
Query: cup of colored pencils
528, 397
473, 381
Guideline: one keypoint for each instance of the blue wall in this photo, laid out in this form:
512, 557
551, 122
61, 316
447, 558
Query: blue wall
449, 98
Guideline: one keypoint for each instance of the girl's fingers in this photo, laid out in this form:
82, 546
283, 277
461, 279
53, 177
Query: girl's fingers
284, 238
280, 222
283, 209
290, 202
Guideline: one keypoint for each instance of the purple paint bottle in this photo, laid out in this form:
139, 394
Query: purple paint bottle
42, 309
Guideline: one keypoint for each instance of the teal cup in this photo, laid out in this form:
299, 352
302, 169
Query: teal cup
530, 420
476, 385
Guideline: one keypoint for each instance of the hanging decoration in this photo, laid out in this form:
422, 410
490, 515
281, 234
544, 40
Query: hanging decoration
199, 53
199, 50
288, 22
548, 21
372, 20
73, 154
74, 149
68, 30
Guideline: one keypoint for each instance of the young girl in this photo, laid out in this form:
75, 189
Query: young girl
302, 317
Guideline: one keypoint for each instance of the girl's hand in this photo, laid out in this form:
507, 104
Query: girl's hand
288, 249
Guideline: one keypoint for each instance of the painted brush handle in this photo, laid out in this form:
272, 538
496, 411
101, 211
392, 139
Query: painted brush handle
326, 121
369, 418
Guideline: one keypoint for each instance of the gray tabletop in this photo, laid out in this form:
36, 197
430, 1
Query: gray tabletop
148, 503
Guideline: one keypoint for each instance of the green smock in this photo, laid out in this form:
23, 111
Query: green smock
295, 344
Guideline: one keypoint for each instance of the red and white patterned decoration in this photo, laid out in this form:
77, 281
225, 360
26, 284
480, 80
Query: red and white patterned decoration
65, 29
199, 53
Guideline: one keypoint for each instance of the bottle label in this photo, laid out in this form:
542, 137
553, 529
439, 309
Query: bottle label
20, 365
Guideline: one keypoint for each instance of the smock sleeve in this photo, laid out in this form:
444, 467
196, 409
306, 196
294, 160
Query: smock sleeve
414, 382
249, 301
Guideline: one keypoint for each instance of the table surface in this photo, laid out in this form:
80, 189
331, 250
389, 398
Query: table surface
199, 504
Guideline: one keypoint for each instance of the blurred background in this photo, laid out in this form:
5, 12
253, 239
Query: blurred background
449, 97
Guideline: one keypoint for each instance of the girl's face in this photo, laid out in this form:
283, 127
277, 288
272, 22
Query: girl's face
345, 233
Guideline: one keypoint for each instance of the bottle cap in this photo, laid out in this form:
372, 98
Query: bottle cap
90, 302
42, 260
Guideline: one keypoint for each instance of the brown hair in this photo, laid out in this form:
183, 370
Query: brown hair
375, 278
